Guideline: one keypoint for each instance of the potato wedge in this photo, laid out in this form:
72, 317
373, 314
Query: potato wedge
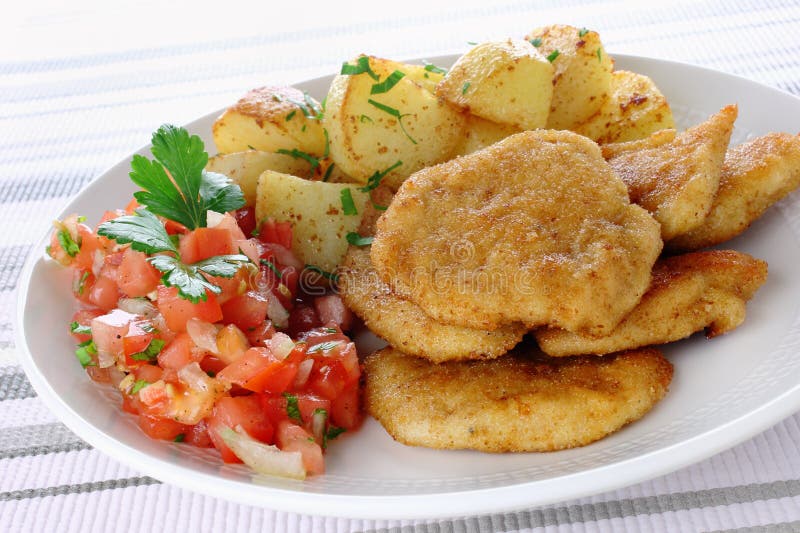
582, 80
508, 82
244, 168
271, 119
634, 110
317, 213
372, 124
481, 133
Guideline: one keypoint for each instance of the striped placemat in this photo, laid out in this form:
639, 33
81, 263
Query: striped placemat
84, 84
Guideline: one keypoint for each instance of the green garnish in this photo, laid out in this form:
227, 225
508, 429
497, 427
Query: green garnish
365, 118
328, 172
386, 85
80, 285
599, 55
78, 329
361, 67
330, 330
553, 55
151, 352
291, 115
582, 32
380, 207
250, 146
357, 240
333, 432
395, 113
277, 98
139, 385
327, 150
84, 353
67, 243
271, 265
537, 42
465, 87
180, 437
430, 67
375, 179
298, 154
327, 275
324, 346
471, 43
188, 191
348, 205
308, 106
146, 233
292, 408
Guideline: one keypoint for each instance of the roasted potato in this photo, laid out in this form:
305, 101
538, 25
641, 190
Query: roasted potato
378, 115
481, 133
318, 212
271, 119
508, 82
582, 80
244, 168
635, 109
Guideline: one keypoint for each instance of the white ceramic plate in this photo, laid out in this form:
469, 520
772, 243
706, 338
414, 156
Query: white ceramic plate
724, 391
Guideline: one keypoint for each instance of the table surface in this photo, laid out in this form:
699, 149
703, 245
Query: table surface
83, 84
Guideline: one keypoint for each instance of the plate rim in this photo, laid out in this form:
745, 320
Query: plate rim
448, 503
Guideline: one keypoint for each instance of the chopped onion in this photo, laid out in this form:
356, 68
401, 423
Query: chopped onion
213, 218
126, 383
138, 306
285, 256
105, 359
203, 334
281, 345
97, 262
318, 421
263, 458
116, 376
303, 371
276, 312
193, 376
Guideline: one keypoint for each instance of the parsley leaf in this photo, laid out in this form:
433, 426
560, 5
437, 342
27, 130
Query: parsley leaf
143, 231
78, 329
175, 184
386, 85
333, 432
139, 385
180, 437
190, 279
348, 205
151, 352
361, 67
375, 179
67, 243
324, 346
292, 407
357, 240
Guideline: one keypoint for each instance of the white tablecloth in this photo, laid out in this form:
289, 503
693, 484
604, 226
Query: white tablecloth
84, 83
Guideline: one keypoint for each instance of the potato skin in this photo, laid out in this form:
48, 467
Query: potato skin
582, 79
270, 119
319, 224
508, 82
635, 109
365, 138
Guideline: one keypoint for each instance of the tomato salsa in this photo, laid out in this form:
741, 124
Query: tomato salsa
252, 364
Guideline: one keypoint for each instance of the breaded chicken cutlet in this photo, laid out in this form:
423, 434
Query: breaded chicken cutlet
521, 402
755, 175
403, 324
534, 229
689, 293
677, 181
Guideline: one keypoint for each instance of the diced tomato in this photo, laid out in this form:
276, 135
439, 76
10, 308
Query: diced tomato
346, 408
302, 318
328, 378
246, 218
331, 308
276, 407
246, 311
229, 223
203, 243
242, 411
179, 353
259, 370
90, 243
84, 317
276, 233
290, 277
212, 365
82, 282
177, 311
108, 331
259, 335
162, 428
149, 373
230, 287
136, 277
104, 293
175, 228
130, 403
136, 340
198, 436
292, 438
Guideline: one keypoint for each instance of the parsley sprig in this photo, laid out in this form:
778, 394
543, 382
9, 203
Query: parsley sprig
175, 184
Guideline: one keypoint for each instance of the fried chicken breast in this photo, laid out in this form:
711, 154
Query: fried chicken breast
677, 181
521, 402
534, 229
403, 324
701, 290
755, 175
